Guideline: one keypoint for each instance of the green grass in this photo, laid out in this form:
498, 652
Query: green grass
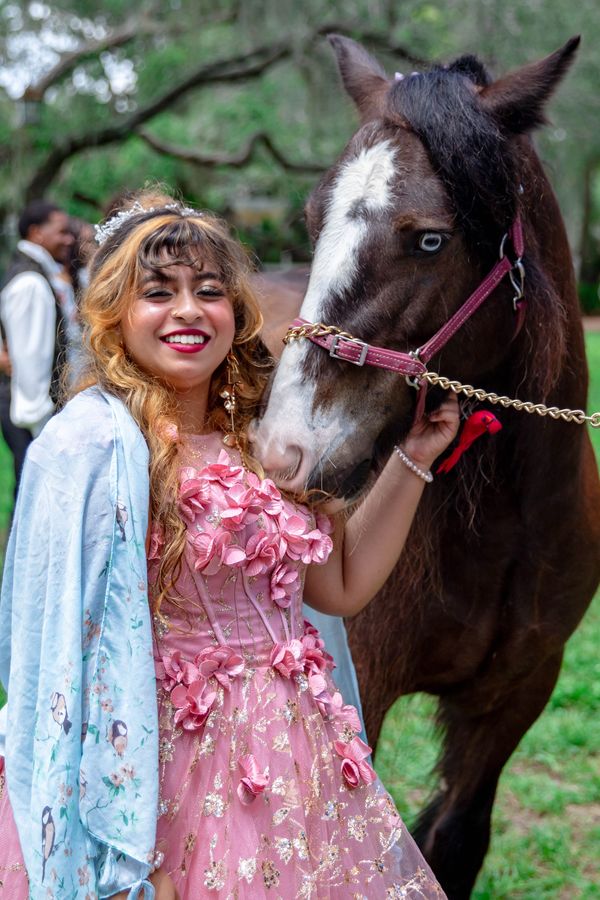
546, 823
7, 482
593, 355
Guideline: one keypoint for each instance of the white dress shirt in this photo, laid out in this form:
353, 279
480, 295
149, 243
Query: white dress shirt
28, 310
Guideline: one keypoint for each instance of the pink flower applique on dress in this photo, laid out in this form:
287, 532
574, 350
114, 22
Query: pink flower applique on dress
267, 494
288, 658
317, 549
253, 782
317, 658
263, 552
241, 508
216, 550
284, 584
309, 546
344, 713
332, 707
221, 663
354, 768
222, 472
317, 684
194, 494
193, 703
293, 531
173, 670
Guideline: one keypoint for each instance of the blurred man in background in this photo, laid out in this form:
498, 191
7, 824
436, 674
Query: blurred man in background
32, 324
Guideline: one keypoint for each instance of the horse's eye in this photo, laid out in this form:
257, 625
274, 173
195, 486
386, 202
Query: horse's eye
430, 241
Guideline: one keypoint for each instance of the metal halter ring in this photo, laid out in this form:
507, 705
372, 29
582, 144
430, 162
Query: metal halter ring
414, 381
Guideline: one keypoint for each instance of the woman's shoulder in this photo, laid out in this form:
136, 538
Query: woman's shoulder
85, 416
88, 424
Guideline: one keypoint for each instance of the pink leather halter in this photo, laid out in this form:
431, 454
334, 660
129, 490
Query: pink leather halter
413, 364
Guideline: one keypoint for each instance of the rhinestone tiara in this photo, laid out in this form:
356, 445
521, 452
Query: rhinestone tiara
108, 228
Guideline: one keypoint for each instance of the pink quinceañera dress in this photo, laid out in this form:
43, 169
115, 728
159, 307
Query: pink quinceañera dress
265, 787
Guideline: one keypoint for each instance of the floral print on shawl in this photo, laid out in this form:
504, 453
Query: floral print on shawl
82, 738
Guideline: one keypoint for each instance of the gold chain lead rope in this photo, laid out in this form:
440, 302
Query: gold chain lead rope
566, 415
310, 330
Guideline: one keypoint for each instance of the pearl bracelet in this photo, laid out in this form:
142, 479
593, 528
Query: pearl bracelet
157, 859
425, 474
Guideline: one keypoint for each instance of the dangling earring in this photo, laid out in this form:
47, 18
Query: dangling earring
229, 396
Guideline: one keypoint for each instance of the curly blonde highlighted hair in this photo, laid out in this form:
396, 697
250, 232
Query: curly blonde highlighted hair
160, 232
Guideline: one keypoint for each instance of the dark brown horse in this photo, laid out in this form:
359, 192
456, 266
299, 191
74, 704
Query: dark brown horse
504, 555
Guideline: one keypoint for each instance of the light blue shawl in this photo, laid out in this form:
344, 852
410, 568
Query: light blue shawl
76, 657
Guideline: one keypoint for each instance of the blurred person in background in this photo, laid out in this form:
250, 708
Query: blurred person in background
70, 283
80, 254
33, 327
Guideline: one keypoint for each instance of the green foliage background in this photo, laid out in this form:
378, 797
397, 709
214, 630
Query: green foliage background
297, 100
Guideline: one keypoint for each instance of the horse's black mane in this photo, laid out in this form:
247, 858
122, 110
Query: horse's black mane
467, 149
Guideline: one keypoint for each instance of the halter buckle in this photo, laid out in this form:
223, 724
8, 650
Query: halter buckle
364, 349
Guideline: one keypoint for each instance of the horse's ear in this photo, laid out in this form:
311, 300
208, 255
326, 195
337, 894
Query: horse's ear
363, 77
517, 100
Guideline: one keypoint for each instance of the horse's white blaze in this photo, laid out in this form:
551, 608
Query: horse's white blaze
363, 187
363, 181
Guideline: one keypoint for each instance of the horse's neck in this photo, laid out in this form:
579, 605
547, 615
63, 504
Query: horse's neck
546, 232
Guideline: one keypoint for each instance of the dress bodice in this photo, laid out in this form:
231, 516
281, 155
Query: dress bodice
243, 567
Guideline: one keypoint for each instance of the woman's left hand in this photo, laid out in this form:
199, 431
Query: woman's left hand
429, 438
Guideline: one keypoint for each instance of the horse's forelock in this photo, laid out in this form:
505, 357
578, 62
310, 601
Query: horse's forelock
471, 68
465, 146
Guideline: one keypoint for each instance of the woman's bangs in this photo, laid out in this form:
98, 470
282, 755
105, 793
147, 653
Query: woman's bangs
182, 242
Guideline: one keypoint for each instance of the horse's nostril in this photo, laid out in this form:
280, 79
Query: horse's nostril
283, 465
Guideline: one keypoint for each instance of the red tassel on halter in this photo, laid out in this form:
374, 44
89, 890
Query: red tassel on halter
481, 422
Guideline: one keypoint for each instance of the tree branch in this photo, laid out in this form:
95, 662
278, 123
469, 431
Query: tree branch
239, 68
238, 160
128, 31
85, 198
142, 24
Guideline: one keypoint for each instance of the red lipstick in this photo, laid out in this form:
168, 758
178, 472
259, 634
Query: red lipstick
186, 340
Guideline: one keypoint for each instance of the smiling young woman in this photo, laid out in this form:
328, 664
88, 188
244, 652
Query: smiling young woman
202, 747
180, 327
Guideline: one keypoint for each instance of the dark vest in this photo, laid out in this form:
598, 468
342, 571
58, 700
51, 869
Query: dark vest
22, 263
